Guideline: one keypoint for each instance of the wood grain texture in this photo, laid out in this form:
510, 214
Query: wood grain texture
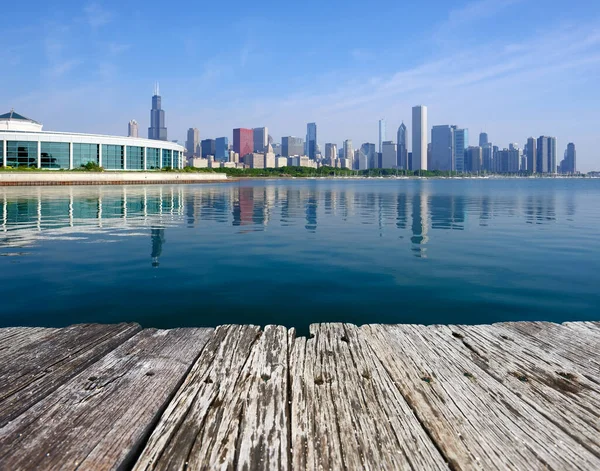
15, 338
347, 412
231, 412
35, 370
101, 418
476, 420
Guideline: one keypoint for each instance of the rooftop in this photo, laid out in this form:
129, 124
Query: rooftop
16, 116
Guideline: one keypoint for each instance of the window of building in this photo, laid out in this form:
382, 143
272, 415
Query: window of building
176, 159
1, 153
112, 157
21, 153
152, 158
135, 158
54, 155
167, 157
84, 154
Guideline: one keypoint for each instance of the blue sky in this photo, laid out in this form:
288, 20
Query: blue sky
513, 68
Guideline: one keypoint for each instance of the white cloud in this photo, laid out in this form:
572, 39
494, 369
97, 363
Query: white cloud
96, 15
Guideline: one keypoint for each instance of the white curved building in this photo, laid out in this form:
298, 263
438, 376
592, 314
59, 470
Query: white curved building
23, 143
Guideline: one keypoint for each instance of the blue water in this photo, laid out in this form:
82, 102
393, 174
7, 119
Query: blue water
294, 252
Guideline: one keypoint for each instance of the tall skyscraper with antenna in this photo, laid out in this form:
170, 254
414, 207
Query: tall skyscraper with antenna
157, 129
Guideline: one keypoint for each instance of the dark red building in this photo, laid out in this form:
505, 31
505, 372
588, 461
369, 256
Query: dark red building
243, 141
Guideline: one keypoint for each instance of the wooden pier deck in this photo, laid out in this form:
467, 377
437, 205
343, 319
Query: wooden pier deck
504, 396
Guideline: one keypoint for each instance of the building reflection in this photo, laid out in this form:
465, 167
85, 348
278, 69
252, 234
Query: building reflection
415, 212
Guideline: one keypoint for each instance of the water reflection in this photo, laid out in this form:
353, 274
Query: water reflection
412, 212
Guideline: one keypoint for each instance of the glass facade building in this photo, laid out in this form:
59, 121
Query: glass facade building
84, 154
112, 157
135, 158
167, 157
55, 155
21, 154
461, 143
222, 149
152, 158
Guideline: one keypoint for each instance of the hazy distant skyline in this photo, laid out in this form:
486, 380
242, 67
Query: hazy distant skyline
511, 68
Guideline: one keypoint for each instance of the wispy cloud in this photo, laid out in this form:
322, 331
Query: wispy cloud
61, 68
96, 15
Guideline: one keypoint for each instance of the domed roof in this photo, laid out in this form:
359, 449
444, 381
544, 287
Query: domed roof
13, 115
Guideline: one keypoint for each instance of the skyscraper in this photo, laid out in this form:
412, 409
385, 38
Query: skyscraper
330, 153
483, 139
291, 146
222, 149
348, 150
208, 147
157, 129
402, 149
369, 150
389, 155
243, 141
546, 154
473, 159
461, 142
442, 148
487, 157
382, 136
531, 155
569, 164
419, 138
311, 140
192, 144
261, 139
132, 129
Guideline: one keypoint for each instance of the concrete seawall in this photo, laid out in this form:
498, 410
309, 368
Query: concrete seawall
105, 178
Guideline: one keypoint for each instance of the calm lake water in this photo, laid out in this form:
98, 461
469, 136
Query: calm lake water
301, 251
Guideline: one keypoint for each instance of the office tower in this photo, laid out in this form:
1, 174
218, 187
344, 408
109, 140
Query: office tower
442, 148
157, 129
260, 138
192, 143
389, 154
208, 147
410, 161
369, 150
311, 140
461, 142
291, 146
348, 150
569, 164
276, 148
546, 155
362, 160
419, 138
495, 159
531, 155
132, 129
483, 139
222, 149
330, 153
243, 141
382, 133
402, 157
523, 167
474, 159
487, 157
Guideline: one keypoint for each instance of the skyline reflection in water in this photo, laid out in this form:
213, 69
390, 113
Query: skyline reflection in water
357, 251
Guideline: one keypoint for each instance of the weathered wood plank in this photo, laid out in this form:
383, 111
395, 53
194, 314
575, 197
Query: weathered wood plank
476, 421
15, 338
346, 411
560, 341
231, 412
36, 370
553, 386
101, 418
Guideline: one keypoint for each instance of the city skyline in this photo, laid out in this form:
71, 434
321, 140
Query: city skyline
482, 79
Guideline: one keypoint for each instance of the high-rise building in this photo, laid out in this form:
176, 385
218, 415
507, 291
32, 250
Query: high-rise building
442, 148
461, 143
487, 158
348, 150
157, 129
531, 153
132, 129
261, 139
402, 149
483, 139
546, 155
330, 153
208, 147
569, 163
410, 161
291, 146
389, 154
362, 160
474, 159
311, 140
368, 149
192, 144
419, 138
382, 134
222, 149
243, 141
